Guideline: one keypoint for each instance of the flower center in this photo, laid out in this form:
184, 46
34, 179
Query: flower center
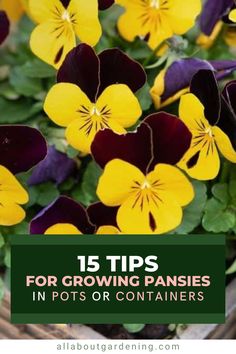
95, 112
145, 185
208, 131
66, 16
155, 4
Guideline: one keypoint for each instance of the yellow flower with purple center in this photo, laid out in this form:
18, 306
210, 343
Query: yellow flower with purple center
94, 93
17, 154
139, 176
157, 20
64, 216
60, 22
212, 123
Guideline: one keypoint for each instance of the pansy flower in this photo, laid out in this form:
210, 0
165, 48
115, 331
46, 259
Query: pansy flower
156, 20
13, 8
93, 93
171, 83
139, 177
21, 148
56, 167
4, 26
212, 125
64, 216
60, 22
211, 20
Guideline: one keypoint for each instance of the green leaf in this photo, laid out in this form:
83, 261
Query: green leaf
2, 242
232, 189
232, 268
24, 85
47, 192
71, 152
220, 192
16, 111
193, 212
38, 69
7, 258
144, 97
86, 192
134, 328
217, 217
1, 289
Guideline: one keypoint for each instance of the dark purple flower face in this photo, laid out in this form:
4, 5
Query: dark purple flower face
4, 26
161, 138
21, 147
56, 167
63, 210
94, 73
213, 11
219, 108
102, 215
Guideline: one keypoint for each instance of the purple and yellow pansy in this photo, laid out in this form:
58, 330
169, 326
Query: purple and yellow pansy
60, 22
93, 93
65, 216
174, 81
139, 176
21, 148
208, 115
213, 15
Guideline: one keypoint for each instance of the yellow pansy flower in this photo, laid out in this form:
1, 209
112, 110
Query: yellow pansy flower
67, 105
207, 116
12, 195
157, 20
59, 23
148, 204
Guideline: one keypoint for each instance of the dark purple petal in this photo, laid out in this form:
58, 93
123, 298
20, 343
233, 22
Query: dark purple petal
65, 3
81, 67
102, 215
180, 73
62, 210
133, 147
104, 4
171, 138
21, 147
212, 12
56, 167
117, 67
4, 26
205, 87
227, 121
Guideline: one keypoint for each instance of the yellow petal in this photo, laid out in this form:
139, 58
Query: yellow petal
153, 217
182, 14
13, 9
80, 136
232, 15
63, 103
159, 31
107, 230
130, 24
202, 161
43, 10
10, 213
51, 42
123, 106
117, 182
62, 229
224, 144
205, 41
86, 21
172, 180
11, 190
191, 112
